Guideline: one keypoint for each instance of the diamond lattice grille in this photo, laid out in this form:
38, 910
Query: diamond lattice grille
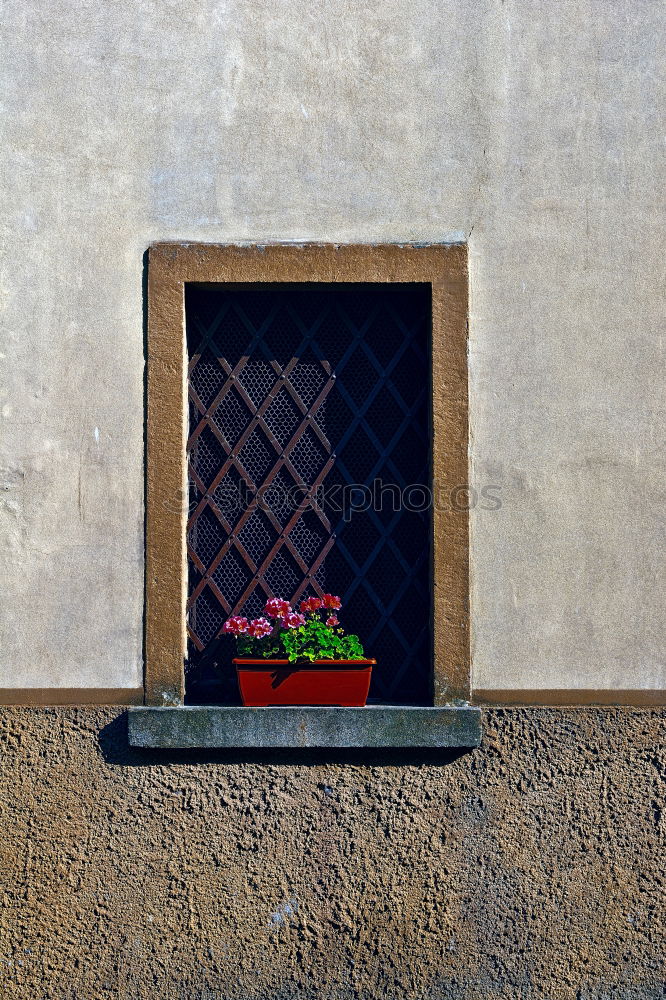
296, 393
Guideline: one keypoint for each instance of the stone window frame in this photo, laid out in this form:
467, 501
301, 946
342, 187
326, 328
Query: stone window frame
170, 267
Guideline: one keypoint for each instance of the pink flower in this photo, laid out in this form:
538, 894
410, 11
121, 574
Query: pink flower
330, 601
259, 627
332, 620
293, 620
235, 626
311, 604
277, 608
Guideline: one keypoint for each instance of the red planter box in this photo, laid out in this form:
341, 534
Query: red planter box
324, 682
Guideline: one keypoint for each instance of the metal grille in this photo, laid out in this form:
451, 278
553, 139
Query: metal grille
296, 391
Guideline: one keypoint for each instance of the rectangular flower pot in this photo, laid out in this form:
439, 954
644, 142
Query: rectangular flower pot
323, 682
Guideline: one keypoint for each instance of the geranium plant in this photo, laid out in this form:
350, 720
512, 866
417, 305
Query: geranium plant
311, 633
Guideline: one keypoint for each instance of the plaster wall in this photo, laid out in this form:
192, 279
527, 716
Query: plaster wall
529, 869
528, 129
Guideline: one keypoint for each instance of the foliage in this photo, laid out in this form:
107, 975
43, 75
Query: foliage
312, 634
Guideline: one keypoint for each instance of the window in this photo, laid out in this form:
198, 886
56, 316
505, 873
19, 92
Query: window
309, 469
309, 372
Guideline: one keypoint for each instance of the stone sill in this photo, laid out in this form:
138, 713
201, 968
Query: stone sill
199, 726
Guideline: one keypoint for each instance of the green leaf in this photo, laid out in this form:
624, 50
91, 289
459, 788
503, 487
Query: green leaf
313, 641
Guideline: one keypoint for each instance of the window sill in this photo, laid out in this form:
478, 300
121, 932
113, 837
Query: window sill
195, 726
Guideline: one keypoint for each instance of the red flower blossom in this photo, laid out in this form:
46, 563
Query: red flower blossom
330, 601
277, 608
310, 605
235, 626
332, 620
293, 620
259, 627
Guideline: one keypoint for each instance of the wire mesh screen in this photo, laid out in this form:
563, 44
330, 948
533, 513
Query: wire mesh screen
309, 445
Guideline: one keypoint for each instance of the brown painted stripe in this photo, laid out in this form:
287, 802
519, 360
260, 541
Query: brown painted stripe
71, 696
568, 696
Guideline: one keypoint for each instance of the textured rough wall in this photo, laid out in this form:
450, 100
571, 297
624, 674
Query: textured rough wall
526, 127
531, 868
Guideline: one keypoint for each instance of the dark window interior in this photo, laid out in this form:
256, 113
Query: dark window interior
296, 392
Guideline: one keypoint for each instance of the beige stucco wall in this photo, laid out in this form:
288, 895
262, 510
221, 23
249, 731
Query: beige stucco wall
529, 129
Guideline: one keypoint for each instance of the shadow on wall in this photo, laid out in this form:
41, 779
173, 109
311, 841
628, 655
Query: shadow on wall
114, 746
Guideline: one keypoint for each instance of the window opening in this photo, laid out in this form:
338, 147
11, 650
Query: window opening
308, 455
